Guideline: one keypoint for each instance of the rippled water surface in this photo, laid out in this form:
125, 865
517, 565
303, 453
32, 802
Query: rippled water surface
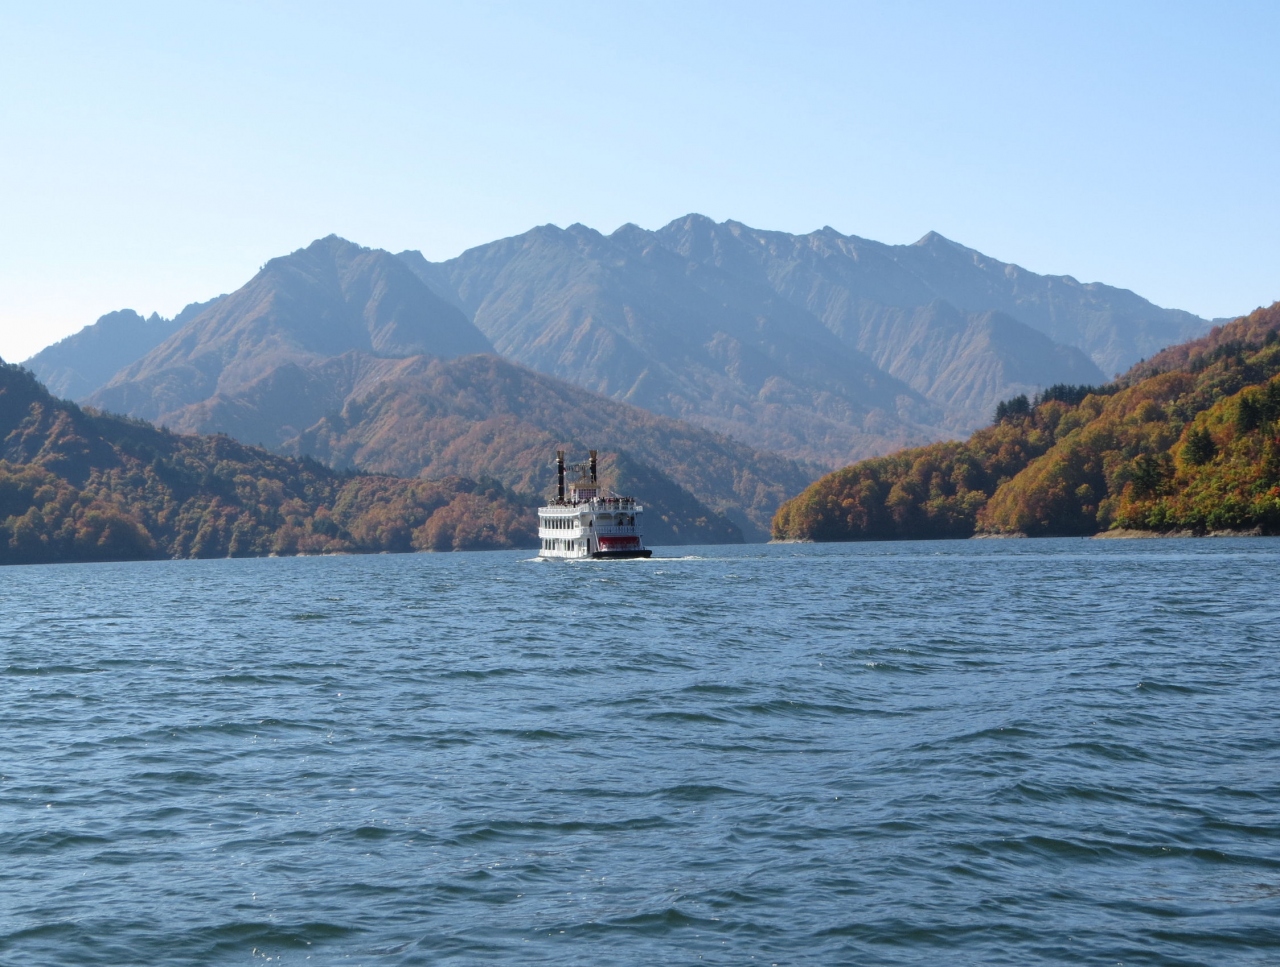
1030, 752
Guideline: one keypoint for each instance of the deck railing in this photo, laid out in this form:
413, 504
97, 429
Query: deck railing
598, 503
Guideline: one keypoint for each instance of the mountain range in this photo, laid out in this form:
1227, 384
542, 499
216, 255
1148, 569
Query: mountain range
823, 347
724, 365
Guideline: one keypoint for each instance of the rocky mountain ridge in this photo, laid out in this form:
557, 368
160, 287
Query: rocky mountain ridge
823, 346
82, 363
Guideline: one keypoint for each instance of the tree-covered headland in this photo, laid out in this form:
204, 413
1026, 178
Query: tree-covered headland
1186, 441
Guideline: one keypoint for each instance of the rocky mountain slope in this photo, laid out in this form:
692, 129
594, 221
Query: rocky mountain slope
966, 362
844, 280
330, 298
636, 322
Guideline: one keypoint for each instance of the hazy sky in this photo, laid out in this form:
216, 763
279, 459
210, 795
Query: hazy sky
158, 154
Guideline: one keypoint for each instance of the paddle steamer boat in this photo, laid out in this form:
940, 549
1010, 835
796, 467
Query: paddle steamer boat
585, 523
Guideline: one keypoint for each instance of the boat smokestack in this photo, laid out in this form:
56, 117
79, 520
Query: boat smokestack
560, 475
593, 466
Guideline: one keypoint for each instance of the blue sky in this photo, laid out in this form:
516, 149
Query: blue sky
157, 154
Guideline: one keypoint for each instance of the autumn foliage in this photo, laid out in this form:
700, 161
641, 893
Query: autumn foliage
1189, 441
81, 486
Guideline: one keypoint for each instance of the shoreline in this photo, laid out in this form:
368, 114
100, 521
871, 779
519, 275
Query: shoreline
1124, 533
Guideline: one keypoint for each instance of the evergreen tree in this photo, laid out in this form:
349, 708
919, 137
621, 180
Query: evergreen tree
1014, 409
1199, 448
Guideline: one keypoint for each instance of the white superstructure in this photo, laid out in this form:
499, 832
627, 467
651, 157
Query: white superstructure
584, 523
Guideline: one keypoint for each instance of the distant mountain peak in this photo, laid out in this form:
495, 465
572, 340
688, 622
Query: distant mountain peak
335, 242
694, 218
584, 232
331, 250
938, 240
549, 230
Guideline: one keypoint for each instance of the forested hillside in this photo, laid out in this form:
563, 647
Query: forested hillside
481, 415
1186, 441
80, 486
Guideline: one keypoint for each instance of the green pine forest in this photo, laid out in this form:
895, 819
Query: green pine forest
76, 485
1187, 441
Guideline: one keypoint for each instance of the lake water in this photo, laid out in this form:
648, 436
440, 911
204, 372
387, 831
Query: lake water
995, 752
